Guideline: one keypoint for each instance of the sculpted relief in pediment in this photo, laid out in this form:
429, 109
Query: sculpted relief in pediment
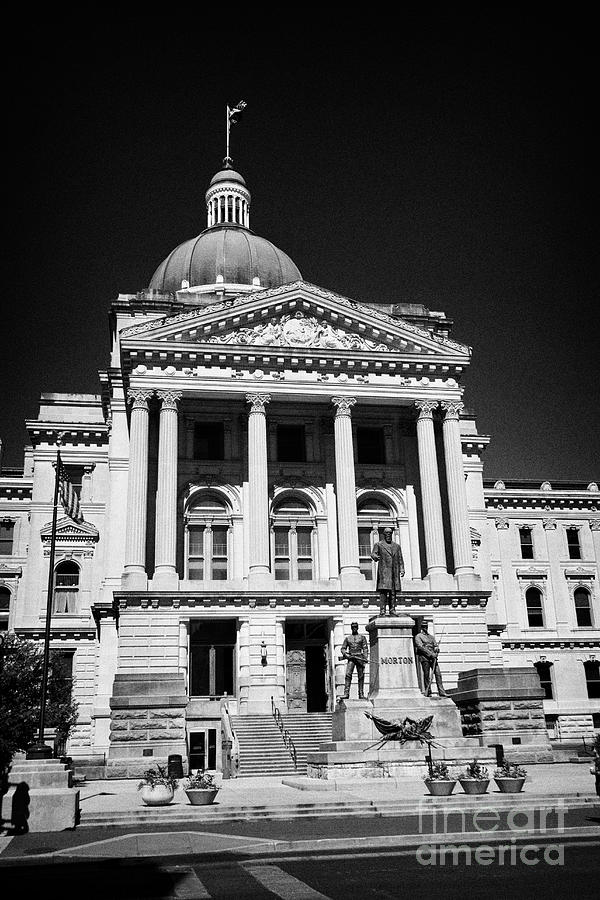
297, 330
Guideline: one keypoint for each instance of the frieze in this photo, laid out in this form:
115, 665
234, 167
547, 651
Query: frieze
298, 331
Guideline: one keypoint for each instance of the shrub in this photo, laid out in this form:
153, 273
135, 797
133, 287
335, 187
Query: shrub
475, 771
509, 770
158, 775
201, 780
439, 772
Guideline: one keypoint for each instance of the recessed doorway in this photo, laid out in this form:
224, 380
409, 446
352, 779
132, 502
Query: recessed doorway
308, 665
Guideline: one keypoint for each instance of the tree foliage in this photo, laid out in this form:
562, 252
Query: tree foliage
21, 668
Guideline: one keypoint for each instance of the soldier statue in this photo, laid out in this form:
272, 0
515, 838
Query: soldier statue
427, 650
390, 569
356, 650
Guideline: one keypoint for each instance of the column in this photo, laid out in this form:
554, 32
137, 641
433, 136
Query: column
258, 486
558, 606
134, 573
457, 490
346, 489
430, 490
165, 540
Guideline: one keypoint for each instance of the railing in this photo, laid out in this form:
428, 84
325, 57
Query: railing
231, 747
287, 738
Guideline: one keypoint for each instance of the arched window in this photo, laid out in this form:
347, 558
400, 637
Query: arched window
373, 516
292, 540
592, 678
66, 587
4, 607
583, 607
544, 670
208, 522
535, 610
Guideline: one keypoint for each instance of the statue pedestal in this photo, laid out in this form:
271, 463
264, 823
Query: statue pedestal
393, 668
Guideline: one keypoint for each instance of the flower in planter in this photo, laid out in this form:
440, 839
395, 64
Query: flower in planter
158, 775
475, 771
439, 772
201, 780
509, 770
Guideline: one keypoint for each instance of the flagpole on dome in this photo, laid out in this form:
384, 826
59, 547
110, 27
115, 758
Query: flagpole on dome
234, 115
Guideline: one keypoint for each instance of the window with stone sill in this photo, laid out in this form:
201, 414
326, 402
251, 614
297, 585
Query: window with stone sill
583, 607
526, 542
7, 532
207, 538
66, 588
573, 543
373, 516
535, 608
592, 678
544, 670
4, 607
292, 540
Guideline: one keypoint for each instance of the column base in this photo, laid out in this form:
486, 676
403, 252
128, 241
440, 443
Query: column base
258, 580
134, 580
468, 581
351, 578
440, 580
165, 580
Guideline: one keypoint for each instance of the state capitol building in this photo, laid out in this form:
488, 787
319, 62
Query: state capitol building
252, 436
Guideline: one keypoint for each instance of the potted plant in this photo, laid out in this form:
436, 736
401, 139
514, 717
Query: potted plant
157, 787
510, 778
201, 788
439, 781
474, 779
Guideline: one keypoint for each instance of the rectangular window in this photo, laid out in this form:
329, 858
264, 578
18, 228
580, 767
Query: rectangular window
592, 678
526, 540
364, 553
304, 560
544, 670
7, 530
219, 553
75, 476
291, 443
209, 440
535, 611
196, 553
282, 554
370, 445
212, 656
573, 544
583, 609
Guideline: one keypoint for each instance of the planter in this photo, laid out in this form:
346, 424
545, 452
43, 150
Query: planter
158, 795
440, 787
473, 785
510, 785
201, 796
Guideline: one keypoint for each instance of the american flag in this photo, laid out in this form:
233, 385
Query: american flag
68, 494
235, 113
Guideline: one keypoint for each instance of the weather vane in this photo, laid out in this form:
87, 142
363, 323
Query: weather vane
234, 115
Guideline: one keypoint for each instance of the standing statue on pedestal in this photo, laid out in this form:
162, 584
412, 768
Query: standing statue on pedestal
356, 650
390, 569
427, 650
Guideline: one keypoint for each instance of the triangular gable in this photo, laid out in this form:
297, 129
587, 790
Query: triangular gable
296, 316
68, 530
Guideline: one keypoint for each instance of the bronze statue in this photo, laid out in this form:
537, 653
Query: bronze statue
390, 569
427, 650
356, 650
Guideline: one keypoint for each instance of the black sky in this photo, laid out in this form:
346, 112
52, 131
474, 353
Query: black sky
452, 166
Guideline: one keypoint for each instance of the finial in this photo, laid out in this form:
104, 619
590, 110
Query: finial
227, 162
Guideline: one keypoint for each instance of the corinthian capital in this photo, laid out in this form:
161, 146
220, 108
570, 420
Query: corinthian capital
138, 397
595, 524
426, 408
169, 399
258, 402
453, 408
549, 524
343, 405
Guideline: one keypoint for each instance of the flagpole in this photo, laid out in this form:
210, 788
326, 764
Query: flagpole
228, 127
40, 750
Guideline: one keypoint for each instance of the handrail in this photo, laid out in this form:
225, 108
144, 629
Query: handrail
232, 754
287, 738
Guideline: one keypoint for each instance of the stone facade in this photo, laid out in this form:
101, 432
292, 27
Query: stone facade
246, 448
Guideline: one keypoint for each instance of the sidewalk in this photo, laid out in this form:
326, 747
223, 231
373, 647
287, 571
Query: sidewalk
250, 816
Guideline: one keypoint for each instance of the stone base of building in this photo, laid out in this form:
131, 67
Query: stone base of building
505, 706
356, 759
147, 723
40, 796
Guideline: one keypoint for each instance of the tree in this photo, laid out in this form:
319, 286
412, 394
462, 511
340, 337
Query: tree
21, 667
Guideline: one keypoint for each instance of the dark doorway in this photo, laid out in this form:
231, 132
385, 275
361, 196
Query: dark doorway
212, 657
308, 667
203, 749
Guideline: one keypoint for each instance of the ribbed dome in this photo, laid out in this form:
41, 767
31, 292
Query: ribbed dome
229, 253
227, 175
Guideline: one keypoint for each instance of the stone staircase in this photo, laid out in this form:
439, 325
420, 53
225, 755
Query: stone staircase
262, 751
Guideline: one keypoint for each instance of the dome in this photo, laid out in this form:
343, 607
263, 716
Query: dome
227, 175
225, 253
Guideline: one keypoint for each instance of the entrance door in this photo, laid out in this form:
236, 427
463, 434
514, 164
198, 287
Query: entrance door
307, 673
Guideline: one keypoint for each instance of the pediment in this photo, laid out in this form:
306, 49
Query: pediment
68, 530
294, 317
